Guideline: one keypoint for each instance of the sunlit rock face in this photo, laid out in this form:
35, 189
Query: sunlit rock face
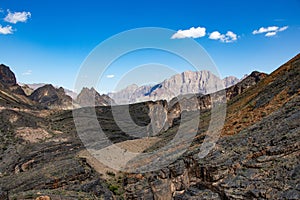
51, 97
189, 82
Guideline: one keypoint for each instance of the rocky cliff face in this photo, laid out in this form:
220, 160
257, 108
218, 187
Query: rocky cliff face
90, 97
260, 160
8, 80
11, 94
246, 83
204, 101
51, 97
188, 82
7, 77
236, 168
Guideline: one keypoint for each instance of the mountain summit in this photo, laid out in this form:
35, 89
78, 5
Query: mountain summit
188, 82
7, 77
90, 97
51, 97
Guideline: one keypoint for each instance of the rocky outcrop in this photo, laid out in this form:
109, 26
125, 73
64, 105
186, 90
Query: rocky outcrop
11, 94
204, 102
8, 80
7, 77
188, 82
90, 97
246, 83
259, 161
50, 97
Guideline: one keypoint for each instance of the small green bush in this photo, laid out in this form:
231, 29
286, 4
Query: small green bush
113, 188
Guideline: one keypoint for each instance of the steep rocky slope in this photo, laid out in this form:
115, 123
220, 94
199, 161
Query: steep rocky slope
11, 94
259, 160
7, 77
43, 155
39, 156
51, 97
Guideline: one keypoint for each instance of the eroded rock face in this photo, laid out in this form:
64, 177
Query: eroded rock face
51, 97
158, 113
246, 83
188, 82
8, 80
199, 102
260, 162
7, 77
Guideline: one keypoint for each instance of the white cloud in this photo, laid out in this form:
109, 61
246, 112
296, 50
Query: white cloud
190, 33
216, 35
283, 28
6, 30
227, 38
110, 76
270, 34
270, 31
264, 30
231, 35
16, 17
27, 73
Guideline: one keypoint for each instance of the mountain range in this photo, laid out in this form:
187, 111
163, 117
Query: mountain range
203, 82
188, 82
256, 157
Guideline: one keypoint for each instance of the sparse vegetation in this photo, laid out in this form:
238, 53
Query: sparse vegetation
111, 173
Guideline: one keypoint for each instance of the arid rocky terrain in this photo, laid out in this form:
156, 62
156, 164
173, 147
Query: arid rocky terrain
256, 157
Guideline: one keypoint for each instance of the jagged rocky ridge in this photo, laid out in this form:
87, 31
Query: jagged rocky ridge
260, 160
90, 97
29, 88
49, 96
203, 82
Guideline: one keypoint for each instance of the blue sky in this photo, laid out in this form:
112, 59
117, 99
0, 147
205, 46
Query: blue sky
47, 41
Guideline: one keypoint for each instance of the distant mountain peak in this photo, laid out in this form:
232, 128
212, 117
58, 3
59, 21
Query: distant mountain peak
7, 77
90, 97
51, 97
187, 82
